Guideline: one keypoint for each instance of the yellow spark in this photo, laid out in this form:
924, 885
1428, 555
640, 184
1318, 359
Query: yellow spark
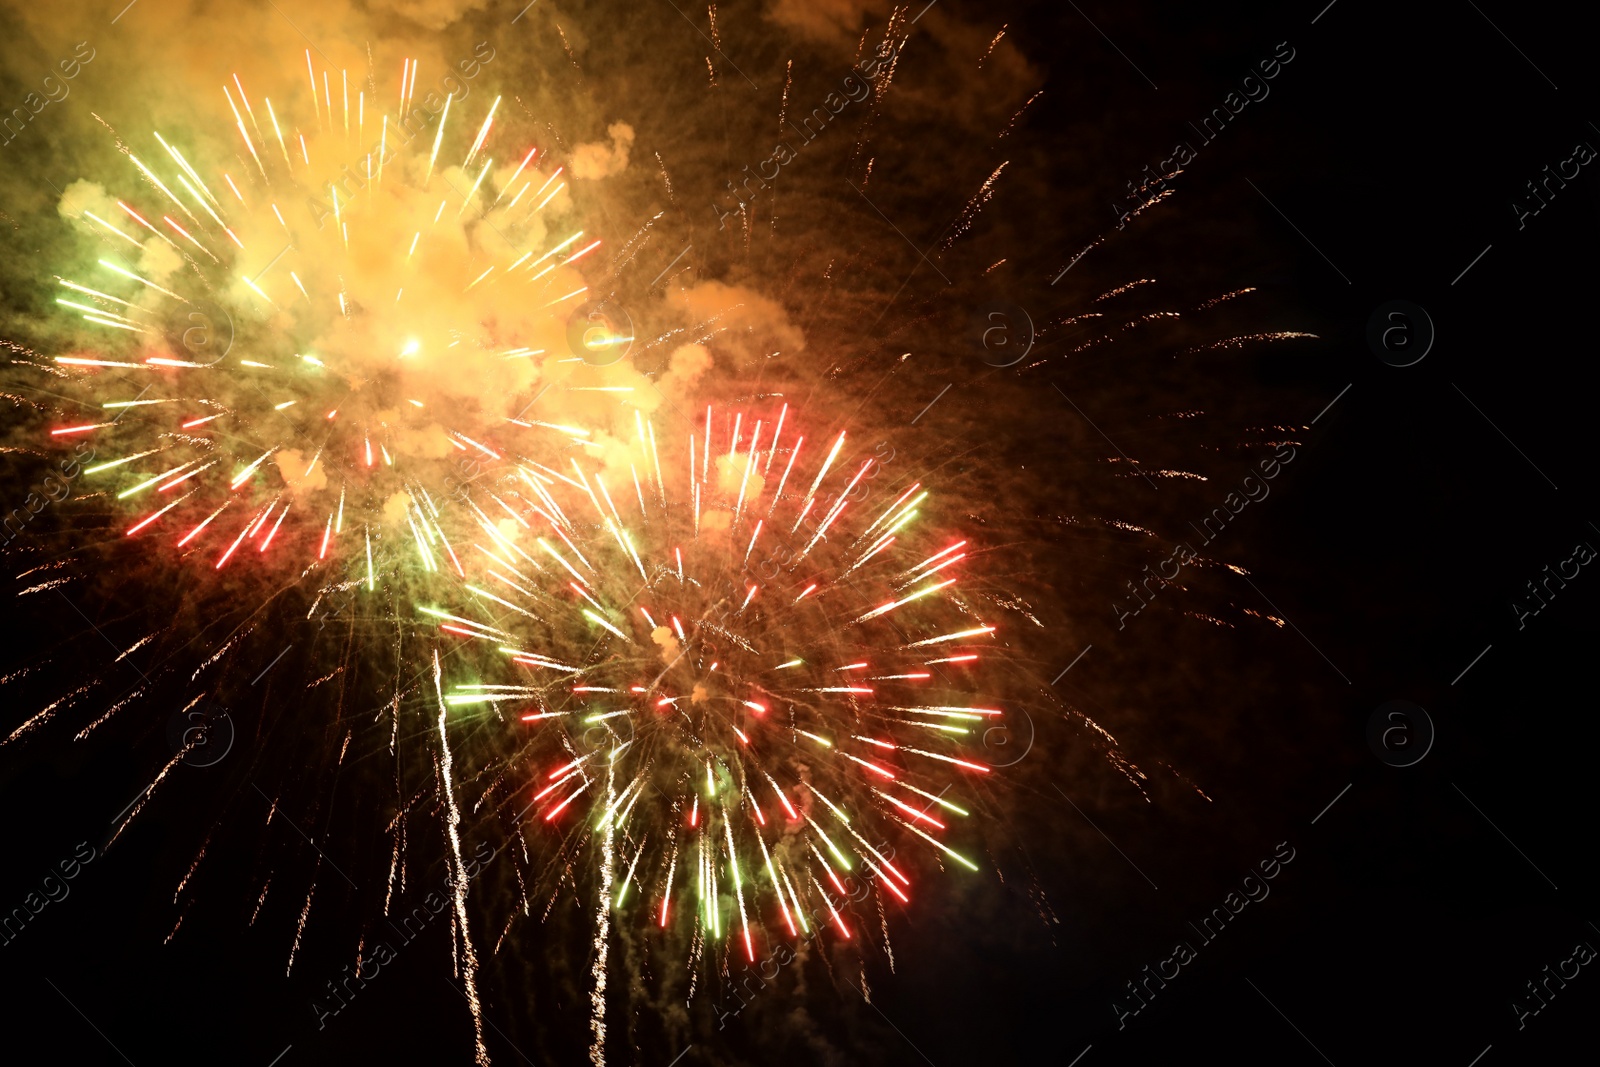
312, 75
256, 289
184, 163
273, 115
592, 617
482, 132
438, 137
471, 192
141, 281
113, 229
148, 173
569, 296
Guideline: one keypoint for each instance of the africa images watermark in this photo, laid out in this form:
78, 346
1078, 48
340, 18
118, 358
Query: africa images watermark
54, 488
1552, 981
1551, 584
55, 91
54, 889
1144, 989
406, 127
354, 978
1551, 183
856, 87
1253, 489
1150, 186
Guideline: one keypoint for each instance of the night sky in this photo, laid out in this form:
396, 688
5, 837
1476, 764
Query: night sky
1354, 734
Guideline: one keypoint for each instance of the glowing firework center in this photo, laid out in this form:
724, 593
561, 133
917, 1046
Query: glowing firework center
287, 337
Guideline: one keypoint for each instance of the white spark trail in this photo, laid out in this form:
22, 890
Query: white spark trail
469, 970
602, 933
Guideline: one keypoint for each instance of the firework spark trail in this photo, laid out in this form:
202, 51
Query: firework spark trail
45, 714
305, 913
458, 873
602, 933
149, 791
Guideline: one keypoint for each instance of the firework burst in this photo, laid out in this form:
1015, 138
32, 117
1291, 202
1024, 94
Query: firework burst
743, 680
327, 331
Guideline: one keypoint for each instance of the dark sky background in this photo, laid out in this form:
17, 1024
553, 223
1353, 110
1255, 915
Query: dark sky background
1420, 900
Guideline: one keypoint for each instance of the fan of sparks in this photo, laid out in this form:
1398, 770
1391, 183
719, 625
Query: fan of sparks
752, 685
328, 329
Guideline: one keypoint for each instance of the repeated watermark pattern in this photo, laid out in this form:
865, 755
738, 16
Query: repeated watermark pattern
354, 978
54, 89
854, 88
1400, 333
1253, 889
52, 889
1151, 186
1252, 489
1400, 733
52, 489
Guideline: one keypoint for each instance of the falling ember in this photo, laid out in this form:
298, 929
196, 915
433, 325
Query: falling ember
459, 875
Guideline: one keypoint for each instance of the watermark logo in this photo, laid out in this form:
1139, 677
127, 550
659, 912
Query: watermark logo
204, 329
1400, 733
1007, 743
600, 332
601, 733
1003, 334
1400, 333
205, 729
51, 889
